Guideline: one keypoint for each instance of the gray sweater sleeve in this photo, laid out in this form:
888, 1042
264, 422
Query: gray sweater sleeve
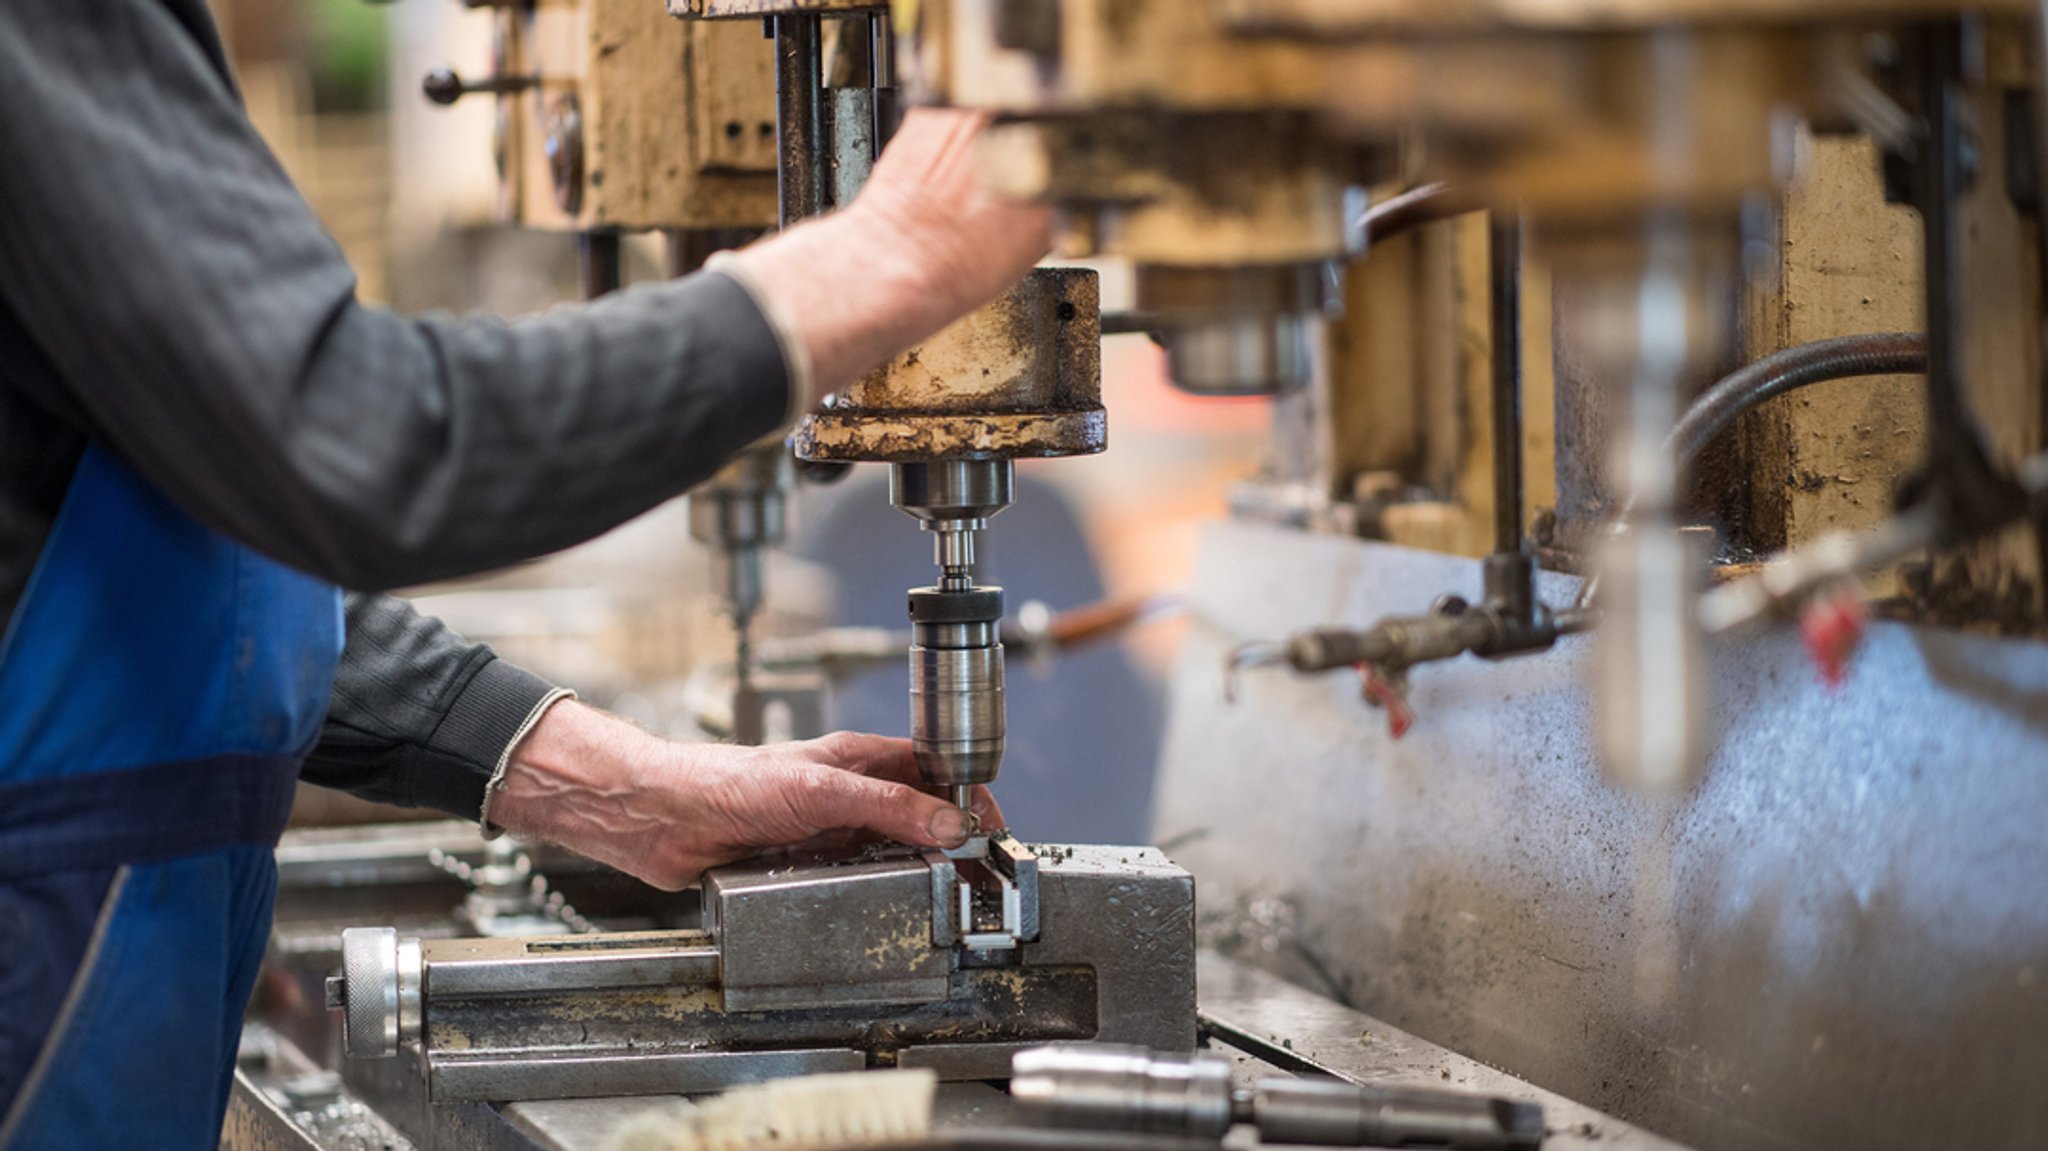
207, 329
182, 306
419, 716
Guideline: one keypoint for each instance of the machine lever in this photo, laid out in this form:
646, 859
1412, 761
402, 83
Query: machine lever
444, 86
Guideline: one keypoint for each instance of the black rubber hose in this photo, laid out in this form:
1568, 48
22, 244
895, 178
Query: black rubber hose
1840, 358
1873, 354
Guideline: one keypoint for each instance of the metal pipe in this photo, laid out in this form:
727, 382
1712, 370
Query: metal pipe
888, 108
1426, 204
803, 147
1799, 366
1504, 268
1959, 471
1787, 370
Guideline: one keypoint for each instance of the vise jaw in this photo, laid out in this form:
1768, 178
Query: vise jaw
872, 929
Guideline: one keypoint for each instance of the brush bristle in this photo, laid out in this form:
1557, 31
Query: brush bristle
809, 1113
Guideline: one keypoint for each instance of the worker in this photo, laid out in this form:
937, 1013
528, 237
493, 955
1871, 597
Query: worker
203, 434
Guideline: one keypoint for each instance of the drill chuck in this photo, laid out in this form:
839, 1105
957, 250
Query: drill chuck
956, 684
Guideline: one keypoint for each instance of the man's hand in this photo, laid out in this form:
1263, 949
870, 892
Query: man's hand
920, 247
665, 811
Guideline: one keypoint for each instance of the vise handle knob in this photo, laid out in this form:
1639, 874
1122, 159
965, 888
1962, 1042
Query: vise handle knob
444, 86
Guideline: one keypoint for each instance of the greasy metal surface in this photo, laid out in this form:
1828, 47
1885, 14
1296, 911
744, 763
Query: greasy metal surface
825, 935
459, 1077
966, 1117
1837, 940
1129, 914
996, 1004
912, 438
514, 966
1019, 377
282, 1101
579, 1124
1240, 1003
731, 9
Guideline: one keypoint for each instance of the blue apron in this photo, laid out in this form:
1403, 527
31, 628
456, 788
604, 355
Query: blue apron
159, 685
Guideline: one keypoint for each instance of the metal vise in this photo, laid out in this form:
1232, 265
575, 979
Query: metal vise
899, 958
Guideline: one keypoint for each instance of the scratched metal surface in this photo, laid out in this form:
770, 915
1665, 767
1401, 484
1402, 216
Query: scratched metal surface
1352, 1045
1840, 939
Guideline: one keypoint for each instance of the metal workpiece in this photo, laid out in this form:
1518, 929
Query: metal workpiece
985, 894
1116, 1087
1018, 378
1131, 1089
890, 957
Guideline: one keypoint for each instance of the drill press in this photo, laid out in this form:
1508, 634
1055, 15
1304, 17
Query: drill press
1020, 378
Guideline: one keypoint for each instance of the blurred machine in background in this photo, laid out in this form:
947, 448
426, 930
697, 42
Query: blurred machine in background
1682, 363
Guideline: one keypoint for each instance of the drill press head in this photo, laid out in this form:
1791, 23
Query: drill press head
1021, 377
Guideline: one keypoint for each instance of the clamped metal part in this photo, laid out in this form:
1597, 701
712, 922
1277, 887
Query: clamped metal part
1116, 1088
985, 894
